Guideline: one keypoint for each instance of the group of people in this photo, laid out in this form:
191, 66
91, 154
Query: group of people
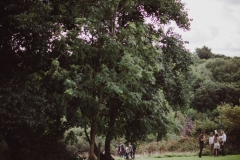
216, 141
127, 151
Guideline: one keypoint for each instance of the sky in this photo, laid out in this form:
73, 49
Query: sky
216, 24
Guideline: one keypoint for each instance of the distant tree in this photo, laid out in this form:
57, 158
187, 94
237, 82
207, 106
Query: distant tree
220, 56
204, 53
229, 119
215, 81
205, 97
224, 70
227, 73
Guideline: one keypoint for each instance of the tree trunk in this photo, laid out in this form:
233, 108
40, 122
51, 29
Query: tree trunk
94, 124
107, 155
113, 112
4, 151
93, 147
92, 139
109, 135
107, 145
13, 145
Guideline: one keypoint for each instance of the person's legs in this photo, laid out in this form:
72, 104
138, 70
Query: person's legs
121, 154
130, 154
223, 150
201, 148
211, 150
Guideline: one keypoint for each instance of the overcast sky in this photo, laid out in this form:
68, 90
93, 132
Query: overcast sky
216, 24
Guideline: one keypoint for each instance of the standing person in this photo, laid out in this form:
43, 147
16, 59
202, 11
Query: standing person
130, 148
223, 138
126, 156
134, 147
122, 149
117, 150
211, 142
201, 139
216, 145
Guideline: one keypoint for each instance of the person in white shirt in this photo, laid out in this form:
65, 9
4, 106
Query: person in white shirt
211, 143
130, 148
223, 142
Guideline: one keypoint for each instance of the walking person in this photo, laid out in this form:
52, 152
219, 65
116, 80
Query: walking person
201, 139
223, 142
211, 143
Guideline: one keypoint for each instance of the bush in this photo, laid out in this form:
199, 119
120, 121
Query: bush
184, 144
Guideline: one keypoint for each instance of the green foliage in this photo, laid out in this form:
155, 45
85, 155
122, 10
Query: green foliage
31, 96
170, 146
229, 116
205, 97
192, 113
224, 70
174, 76
229, 119
82, 63
76, 141
71, 137
215, 81
116, 64
207, 125
204, 53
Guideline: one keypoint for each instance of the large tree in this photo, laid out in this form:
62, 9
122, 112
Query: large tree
31, 101
116, 60
110, 57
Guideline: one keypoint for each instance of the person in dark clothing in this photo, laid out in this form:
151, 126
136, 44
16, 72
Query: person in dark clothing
118, 150
134, 147
201, 139
122, 150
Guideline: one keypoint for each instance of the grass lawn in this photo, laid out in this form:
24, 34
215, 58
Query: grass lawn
227, 157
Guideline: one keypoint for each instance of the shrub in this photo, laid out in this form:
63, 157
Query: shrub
182, 144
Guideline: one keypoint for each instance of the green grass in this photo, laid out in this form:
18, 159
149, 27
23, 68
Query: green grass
227, 157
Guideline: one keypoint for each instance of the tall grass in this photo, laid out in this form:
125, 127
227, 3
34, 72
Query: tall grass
184, 144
